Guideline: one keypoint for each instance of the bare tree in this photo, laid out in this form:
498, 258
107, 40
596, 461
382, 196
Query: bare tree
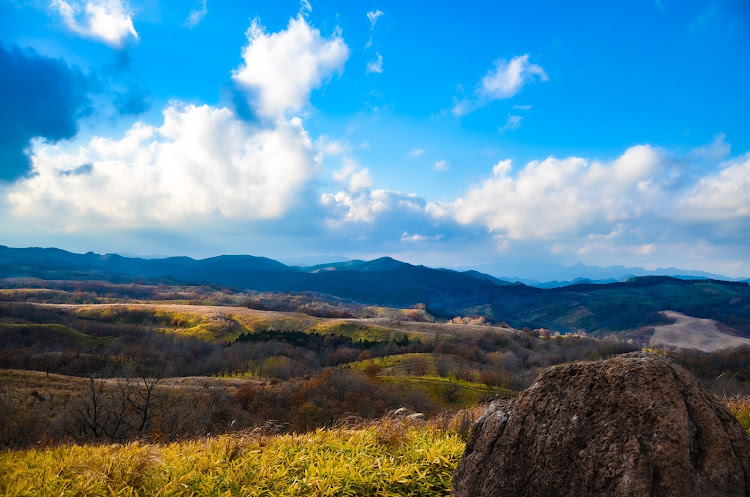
86, 418
143, 400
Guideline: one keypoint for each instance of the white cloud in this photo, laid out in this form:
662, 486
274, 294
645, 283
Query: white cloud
416, 152
504, 81
553, 197
513, 122
722, 196
508, 77
363, 206
327, 146
406, 237
281, 69
203, 162
375, 65
305, 6
502, 168
109, 21
441, 165
715, 151
522, 107
373, 16
197, 15
644, 249
358, 178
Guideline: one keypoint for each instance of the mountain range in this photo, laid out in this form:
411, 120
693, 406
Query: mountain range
612, 307
550, 275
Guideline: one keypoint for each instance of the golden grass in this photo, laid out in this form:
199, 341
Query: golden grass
398, 455
740, 407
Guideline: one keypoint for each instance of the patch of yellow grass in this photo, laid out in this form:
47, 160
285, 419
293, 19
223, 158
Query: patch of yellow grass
401, 456
740, 407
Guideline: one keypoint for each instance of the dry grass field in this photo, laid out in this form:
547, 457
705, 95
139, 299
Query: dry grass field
693, 333
397, 455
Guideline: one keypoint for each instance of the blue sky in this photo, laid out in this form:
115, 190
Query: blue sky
596, 132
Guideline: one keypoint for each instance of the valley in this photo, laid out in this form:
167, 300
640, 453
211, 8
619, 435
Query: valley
142, 371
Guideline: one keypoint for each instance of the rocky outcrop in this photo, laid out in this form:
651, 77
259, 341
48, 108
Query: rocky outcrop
634, 425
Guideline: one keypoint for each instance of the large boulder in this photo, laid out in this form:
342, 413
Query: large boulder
634, 425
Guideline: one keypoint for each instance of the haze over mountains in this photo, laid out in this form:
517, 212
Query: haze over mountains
594, 308
549, 275
537, 274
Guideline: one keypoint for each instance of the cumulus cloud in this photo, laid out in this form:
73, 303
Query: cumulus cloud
357, 203
560, 197
281, 69
359, 215
40, 97
631, 208
635, 208
507, 78
197, 14
358, 178
363, 206
109, 21
375, 65
722, 196
202, 162
365, 217
504, 81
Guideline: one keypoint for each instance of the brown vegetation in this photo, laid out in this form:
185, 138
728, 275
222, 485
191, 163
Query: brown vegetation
164, 370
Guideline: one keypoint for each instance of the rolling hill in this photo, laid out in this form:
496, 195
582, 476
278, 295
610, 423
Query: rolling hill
592, 308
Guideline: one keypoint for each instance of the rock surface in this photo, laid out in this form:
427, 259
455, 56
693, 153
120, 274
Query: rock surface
634, 425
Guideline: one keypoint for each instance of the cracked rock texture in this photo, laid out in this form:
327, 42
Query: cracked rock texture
634, 425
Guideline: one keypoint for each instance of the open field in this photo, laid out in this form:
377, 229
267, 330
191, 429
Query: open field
693, 333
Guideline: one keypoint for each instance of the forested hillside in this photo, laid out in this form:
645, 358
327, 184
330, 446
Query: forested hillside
592, 308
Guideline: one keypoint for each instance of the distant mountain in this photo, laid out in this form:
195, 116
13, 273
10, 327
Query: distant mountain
636, 303
141, 256
51, 263
597, 308
577, 281
482, 276
312, 261
384, 281
549, 275
381, 264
